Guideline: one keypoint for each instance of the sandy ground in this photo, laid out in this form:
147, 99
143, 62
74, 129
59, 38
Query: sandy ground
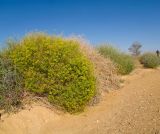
133, 109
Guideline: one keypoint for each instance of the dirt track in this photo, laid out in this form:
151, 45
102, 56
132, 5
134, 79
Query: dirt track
133, 109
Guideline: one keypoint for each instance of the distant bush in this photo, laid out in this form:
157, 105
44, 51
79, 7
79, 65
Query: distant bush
150, 60
54, 67
11, 91
135, 48
124, 62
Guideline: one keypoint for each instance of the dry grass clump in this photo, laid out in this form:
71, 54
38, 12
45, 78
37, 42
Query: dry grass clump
124, 62
105, 71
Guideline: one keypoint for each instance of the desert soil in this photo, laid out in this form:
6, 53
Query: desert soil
133, 109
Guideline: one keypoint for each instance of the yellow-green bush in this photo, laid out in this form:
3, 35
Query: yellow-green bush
54, 67
150, 60
124, 62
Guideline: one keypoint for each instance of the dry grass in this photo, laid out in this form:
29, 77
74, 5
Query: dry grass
105, 71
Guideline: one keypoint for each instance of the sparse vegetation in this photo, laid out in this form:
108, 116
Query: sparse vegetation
124, 62
54, 67
11, 89
150, 60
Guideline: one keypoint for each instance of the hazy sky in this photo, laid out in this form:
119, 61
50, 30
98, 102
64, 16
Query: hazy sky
119, 22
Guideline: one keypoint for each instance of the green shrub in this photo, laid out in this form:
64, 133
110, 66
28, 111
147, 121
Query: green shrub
124, 62
54, 67
150, 60
11, 91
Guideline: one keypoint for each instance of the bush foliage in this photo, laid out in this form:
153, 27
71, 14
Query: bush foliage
150, 60
11, 91
124, 62
54, 67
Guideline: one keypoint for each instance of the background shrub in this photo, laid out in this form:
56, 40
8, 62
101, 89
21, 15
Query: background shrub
124, 62
150, 60
54, 67
11, 92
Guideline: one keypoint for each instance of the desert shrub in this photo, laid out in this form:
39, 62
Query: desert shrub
54, 67
150, 60
104, 69
11, 91
124, 62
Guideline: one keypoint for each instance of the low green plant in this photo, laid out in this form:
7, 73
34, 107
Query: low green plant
150, 60
11, 91
124, 62
56, 68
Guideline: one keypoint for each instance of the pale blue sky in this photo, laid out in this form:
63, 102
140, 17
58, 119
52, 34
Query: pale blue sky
119, 22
